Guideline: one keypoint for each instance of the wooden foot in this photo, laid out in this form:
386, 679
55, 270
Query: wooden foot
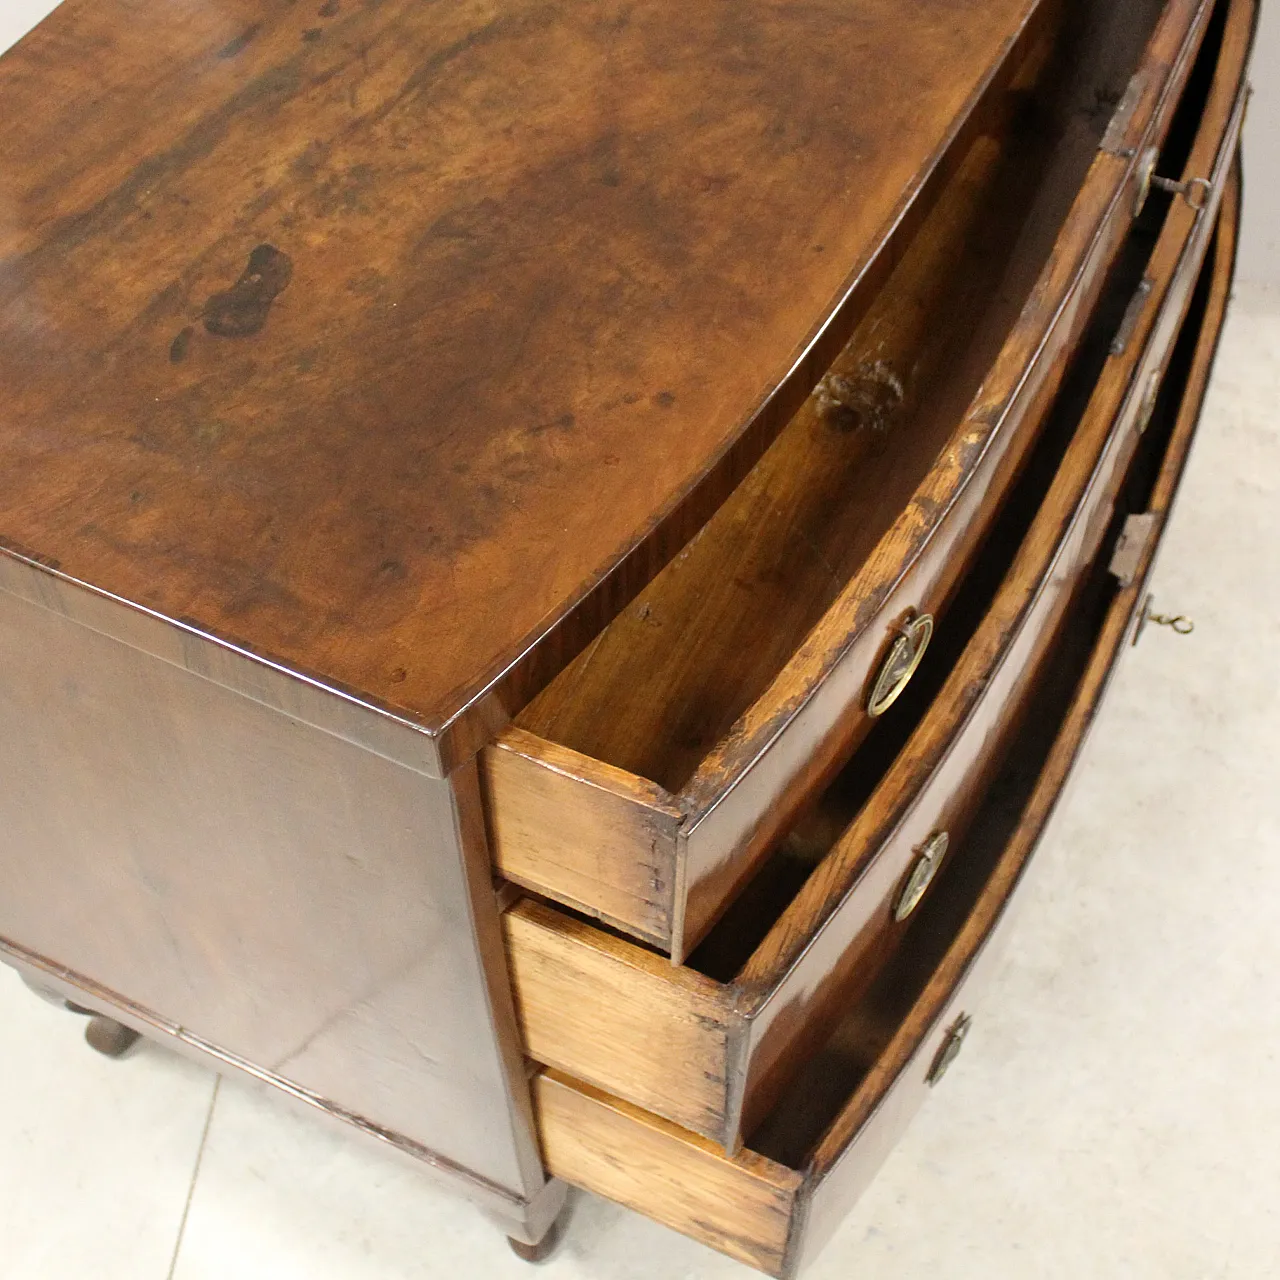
545, 1247
109, 1037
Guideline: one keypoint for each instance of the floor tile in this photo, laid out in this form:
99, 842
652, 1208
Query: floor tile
281, 1196
96, 1156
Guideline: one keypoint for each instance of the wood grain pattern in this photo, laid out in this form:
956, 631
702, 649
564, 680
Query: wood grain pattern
614, 1013
844, 1160
860, 527
461, 318
742, 1206
738, 1204
592, 836
794, 736
704, 640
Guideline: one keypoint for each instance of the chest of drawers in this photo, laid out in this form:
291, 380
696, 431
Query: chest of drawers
556, 560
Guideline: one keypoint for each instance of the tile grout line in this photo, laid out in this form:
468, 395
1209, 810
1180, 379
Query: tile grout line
195, 1174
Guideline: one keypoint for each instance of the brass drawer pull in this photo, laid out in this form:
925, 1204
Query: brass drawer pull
929, 859
1179, 622
949, 1050
901, 663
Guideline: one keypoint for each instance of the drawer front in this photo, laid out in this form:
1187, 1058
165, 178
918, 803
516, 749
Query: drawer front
777, 1216
663, 864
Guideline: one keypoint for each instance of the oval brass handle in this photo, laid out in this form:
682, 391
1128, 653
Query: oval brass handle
900, 663
928, 860
949, 1050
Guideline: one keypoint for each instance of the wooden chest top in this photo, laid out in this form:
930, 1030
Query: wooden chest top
384, 338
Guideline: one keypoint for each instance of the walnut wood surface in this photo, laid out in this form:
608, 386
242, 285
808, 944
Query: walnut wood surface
867, 523
378, 340
735, 1203
258, 887
827, 945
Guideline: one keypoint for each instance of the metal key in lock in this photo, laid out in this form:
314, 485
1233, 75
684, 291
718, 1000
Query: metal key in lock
1195, 191
1178, 623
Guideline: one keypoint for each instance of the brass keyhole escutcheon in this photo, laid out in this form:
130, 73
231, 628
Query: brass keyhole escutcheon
949, 1050
928, 859
1197, 192
1146, 171
900, 664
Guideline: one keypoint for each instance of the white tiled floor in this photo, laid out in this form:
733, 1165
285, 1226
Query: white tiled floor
1115, 1115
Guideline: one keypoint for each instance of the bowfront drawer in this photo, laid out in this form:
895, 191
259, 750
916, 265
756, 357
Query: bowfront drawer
775, 1203
710, 1044
649, 783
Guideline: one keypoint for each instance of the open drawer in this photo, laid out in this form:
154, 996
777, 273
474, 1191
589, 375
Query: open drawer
645, 786
775, 1204
709, 1044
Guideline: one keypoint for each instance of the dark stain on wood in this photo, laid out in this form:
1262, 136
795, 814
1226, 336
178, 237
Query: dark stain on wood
241, 311
868, 400
178, 350
240, 43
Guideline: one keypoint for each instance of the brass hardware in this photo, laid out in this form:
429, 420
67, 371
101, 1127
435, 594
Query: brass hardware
1146, 171
931, 854
901, 663
949, 1050
1131, 547
1178, 623
1197, 192
1149, 397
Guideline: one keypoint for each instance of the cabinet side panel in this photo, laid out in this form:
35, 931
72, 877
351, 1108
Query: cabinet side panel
283, 894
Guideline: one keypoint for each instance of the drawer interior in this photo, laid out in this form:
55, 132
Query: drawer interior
634, 739
668, 679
